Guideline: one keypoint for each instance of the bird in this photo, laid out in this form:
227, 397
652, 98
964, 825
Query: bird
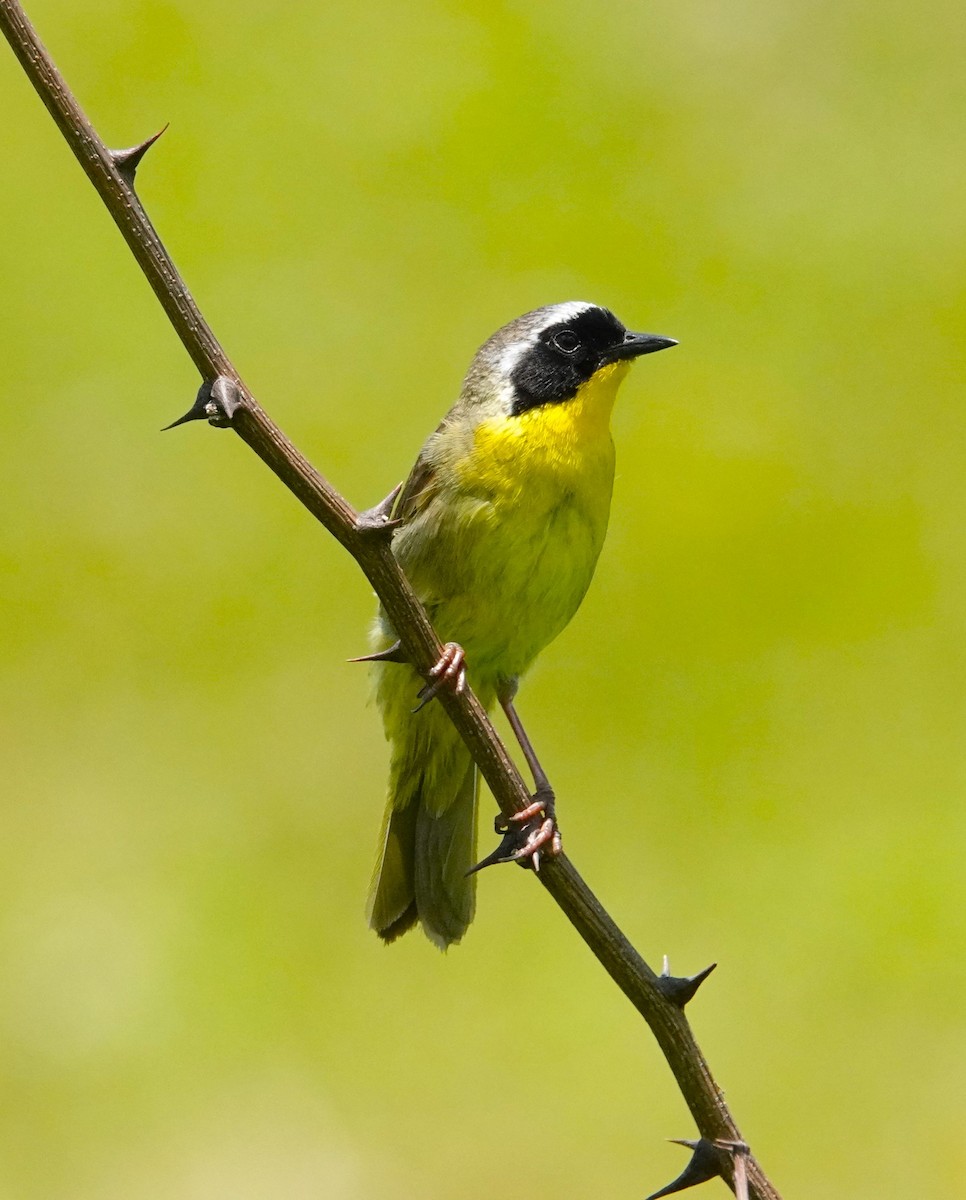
498, 528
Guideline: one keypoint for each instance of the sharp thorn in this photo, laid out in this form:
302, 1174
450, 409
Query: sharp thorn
394, 654
190, 415
680, 989
385, 506
217, 403
127, 161
197, 411
705, 1164
379, 518
505, 852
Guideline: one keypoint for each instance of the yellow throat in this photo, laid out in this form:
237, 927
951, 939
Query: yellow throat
565, 438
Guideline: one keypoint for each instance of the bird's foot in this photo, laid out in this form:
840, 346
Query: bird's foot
449, 672
537, 826
528, 835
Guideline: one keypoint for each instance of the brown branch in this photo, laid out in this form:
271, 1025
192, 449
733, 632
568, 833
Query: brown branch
659, 999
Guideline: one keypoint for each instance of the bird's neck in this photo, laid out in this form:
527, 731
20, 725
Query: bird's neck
574, 428
566, 445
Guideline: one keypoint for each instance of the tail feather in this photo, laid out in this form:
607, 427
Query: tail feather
444, 851
429, 834
392, 898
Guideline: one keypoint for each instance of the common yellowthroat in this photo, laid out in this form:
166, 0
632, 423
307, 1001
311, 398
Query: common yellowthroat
502, 521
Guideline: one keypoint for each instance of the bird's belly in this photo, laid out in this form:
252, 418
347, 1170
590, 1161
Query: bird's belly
504, 575
527, 597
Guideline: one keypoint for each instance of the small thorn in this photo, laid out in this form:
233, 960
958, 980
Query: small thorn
379, 519
216, 402
705, 1164
680, 989
394, 654
226, 400
128, 161
197, 411
505, 852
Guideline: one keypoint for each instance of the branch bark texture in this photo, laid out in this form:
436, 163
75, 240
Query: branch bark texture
112, 174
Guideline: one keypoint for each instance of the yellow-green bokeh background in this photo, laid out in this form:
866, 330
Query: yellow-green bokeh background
755, 724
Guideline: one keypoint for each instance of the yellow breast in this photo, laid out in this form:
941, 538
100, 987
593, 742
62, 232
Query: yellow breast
529, 508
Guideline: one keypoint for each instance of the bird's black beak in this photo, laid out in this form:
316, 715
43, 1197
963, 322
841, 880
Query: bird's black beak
636, 344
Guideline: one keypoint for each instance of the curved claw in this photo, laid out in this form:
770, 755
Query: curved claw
449, 672
543, 801
526, 837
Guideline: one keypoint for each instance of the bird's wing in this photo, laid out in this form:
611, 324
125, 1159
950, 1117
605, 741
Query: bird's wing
416, 491
419, 488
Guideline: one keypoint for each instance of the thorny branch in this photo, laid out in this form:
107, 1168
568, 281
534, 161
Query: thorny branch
225, 401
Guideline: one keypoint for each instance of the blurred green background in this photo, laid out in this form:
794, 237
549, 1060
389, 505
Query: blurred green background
755, 724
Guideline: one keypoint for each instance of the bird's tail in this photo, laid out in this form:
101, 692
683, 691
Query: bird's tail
428, 839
